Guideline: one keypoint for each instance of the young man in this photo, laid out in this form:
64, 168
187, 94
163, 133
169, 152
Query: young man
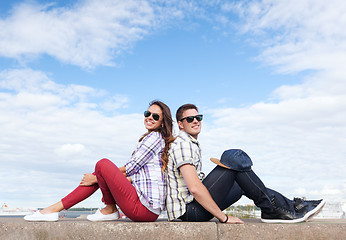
191, 197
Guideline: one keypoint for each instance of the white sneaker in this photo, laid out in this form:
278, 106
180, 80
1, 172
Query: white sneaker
38, 217
99, 216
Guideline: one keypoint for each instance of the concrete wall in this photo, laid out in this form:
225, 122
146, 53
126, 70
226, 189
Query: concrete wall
252, 229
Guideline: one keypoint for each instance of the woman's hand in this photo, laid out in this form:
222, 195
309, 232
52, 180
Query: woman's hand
123, 170
88, 180
234, 220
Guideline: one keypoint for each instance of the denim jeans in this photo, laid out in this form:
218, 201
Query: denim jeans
228, 186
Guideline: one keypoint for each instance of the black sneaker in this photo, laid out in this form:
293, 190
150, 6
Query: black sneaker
281, 215
309, 208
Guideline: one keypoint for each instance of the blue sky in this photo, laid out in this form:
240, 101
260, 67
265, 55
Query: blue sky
202, 57
75, 79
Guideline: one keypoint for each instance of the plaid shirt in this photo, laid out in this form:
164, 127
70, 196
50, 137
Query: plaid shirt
184, 150
144, 168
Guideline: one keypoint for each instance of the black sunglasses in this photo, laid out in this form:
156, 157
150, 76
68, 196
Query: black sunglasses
189, 119
156, 116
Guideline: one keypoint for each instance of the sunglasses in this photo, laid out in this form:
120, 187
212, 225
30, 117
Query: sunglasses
156, 116
189, 119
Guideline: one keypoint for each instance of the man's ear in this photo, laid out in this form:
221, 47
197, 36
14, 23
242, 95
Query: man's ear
180, 125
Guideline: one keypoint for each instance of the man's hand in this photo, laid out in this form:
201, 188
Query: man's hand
234, 220
88, 180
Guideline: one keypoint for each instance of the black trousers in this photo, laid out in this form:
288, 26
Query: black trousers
228, 186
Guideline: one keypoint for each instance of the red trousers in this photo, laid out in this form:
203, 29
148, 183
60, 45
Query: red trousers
116, 189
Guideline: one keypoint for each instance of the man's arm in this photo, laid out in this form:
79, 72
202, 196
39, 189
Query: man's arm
202, 195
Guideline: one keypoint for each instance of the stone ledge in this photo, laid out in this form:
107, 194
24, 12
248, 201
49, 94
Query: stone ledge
16, 228
314, 230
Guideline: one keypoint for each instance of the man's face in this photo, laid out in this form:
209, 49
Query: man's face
193, 128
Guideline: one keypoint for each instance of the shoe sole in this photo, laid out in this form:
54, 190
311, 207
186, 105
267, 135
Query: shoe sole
299, 220
315, 211
102, 220
41, 220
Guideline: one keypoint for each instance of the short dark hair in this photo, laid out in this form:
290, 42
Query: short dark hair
181, 109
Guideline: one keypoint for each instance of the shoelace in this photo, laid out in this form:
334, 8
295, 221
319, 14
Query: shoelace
298, 204
285, 210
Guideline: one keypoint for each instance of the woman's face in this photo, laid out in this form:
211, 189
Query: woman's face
150, 123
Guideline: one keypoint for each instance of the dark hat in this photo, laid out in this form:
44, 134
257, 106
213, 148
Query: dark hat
234, 159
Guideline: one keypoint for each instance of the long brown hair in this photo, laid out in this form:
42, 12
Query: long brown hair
166, 130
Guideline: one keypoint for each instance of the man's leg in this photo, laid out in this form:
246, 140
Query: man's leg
286, 211
236, 193
228, 194
309, 208
298, 205
282, 204
283, 201
225, 191
220, 182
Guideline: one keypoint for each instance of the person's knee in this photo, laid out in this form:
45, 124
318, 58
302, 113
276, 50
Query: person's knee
101, 163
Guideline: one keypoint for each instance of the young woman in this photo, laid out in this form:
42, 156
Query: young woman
138, 188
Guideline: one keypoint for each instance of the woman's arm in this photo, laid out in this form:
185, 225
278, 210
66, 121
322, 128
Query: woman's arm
149, 146
123, 170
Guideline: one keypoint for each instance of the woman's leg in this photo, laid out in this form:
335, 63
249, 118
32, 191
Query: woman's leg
56, 207
116, 189
79, 194
76, 196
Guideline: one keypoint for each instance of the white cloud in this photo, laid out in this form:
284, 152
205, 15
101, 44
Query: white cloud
70, 149
116, 102
296, 35
297, 138
26, 80
47, 135
87, 34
